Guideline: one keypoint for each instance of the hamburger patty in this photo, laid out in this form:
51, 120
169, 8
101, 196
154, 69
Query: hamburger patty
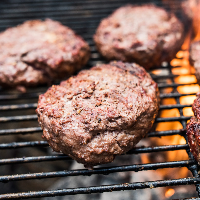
100, 113
147, 35
193, 130
38, 52
195, 58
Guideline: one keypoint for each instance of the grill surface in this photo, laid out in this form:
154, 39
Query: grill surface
22, 149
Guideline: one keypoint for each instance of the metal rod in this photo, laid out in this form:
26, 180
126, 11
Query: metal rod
34, 117
86, 172
18, 107
33, 159
34, 106
100, 189
20, 131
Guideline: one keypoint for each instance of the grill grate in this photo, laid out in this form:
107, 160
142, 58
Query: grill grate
18, 121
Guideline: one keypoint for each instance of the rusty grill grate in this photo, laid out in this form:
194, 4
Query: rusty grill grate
18, 122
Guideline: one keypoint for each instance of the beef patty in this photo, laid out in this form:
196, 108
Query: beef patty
100, 113
38, 52
193, 129
195, 58
147, 35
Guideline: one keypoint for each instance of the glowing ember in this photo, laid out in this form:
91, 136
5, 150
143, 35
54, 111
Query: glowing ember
145, 158
169, 193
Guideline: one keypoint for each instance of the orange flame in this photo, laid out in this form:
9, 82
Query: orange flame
196, 22
184, 72
169, 192
183, 69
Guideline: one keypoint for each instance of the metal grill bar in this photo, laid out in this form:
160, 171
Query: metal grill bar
18, 107
34, 117
79, 24
30, 95
171, 95
35, 95
58, 157
86, 4
51, 158
170, 119
33, 159
60, 2
159, 148
100, 189
23, 144
38, 129
136, 150
161, 85
78, 1
105, 10
105, 171
34, 106
20, 131
18, 118
73, 14
155, 77
166, 133
165, 107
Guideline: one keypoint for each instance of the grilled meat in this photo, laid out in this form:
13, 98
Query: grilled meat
147, 35
38, 52
100, 113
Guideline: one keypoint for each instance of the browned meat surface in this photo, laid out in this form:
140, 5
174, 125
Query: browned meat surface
147, 35
38, 52
193, 130
195, 58
100, 113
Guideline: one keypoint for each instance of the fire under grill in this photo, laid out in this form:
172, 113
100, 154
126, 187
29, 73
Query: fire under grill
28, 166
